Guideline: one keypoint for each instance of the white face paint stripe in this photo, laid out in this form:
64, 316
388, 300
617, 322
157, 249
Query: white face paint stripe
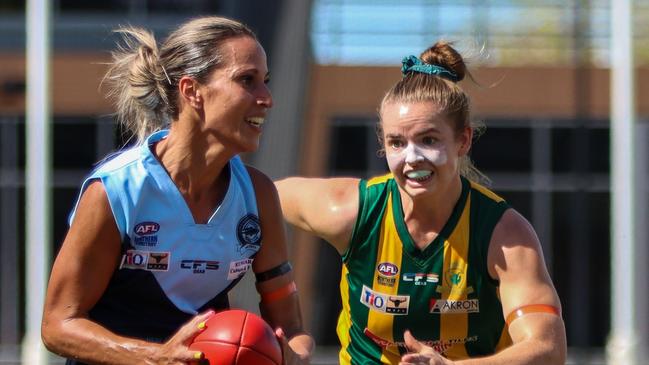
437, 156
414, 153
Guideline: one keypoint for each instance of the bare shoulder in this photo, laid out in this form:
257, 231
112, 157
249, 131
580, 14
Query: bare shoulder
94, 205
268, 206
265, 192
95, 192
93, 225
515, 258
261, 182
514, 240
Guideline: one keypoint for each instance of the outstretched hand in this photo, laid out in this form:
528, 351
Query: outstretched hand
420, 353
290, 357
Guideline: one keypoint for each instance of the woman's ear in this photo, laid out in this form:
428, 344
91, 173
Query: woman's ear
190, 92
465, 139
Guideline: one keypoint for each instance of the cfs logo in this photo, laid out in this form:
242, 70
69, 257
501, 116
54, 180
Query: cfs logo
146, 228
199, 266
420, 278
390, 304
145, 260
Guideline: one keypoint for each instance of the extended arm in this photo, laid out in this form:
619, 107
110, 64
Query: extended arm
81, 272
324, 207
516, 260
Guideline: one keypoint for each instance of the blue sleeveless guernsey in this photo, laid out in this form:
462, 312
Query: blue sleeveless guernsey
171, 268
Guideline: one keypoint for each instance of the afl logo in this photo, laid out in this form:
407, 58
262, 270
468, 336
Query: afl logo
387, 269
249, 232
146, 228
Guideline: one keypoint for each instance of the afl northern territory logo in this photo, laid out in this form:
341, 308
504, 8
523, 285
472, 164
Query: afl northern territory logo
249, 233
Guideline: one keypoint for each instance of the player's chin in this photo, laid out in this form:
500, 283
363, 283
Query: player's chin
250, 144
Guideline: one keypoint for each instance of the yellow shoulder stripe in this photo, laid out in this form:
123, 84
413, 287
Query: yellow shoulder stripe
484, 191
379, 179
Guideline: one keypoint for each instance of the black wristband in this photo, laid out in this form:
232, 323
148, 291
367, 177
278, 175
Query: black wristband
278, 270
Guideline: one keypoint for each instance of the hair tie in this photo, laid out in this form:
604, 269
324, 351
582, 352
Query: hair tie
413, 64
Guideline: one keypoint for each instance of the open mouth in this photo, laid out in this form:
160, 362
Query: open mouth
419, 175
255, 121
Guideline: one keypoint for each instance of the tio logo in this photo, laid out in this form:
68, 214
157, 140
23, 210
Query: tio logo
371, 299
134, 259
145, 260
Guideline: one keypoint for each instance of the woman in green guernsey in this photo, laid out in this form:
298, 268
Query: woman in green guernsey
437, 269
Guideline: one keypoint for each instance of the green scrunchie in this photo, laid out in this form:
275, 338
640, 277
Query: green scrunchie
413, 64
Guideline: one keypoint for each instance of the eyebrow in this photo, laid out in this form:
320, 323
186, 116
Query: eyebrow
253, 70
420, 133
428, 131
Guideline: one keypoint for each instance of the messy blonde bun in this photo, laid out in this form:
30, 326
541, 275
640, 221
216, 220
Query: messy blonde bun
445, 93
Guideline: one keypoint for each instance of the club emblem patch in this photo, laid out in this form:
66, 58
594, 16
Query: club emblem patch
249, 233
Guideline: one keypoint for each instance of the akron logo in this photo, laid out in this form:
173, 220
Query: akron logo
249, 233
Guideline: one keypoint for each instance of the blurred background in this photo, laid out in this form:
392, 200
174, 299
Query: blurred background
542, 72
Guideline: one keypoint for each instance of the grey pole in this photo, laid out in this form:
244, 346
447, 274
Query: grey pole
38, 173
623, 342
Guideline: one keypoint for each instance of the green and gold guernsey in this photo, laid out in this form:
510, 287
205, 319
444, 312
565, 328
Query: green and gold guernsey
443, 294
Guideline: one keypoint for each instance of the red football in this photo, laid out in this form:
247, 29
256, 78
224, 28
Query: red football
238, 337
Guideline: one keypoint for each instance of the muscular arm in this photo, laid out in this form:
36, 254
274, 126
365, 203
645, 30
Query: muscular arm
81, 272
516, 260
284, 312
325, 207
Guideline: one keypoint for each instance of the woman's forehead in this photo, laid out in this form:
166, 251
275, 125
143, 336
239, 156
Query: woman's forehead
405, 107
402, 111
409, 118
414, 129
244, 52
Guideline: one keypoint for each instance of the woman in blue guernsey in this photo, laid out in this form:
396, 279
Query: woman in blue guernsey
437, 269
162, 231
